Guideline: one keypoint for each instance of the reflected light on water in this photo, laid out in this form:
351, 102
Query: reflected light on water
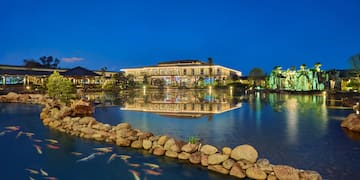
292, 119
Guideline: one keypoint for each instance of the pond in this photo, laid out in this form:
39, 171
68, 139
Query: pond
299, 130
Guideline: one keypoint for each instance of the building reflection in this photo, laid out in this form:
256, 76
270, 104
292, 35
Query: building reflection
182, 103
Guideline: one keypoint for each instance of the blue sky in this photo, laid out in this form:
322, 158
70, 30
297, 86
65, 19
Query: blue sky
240, 34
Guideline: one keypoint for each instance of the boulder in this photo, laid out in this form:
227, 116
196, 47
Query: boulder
217, 158
226, 150
264, 165
286, 172
228, 163
54, 124
175, 147
189, 148
98, 137
204, 160
195, 158
245, 164
208, 149
159, 151
255, 173
271, 177
245, 152
171, 154
82, 108
147, 144
162, 140
169, 143
310, 175
218, 168
87, 130
123, 126
86, 120
138, 144
352, 122
12, 97
144, 135
237, 171
122, 141
184, 155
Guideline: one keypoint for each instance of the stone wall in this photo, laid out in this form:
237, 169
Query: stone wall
241, 161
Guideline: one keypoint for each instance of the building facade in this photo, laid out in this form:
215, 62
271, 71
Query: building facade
184, 73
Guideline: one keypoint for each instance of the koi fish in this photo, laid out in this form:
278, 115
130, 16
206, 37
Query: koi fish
38, 149
111, 158
135, 174
13, 128
19, 134
31, 178
91, 156
31, 171
104, 149
124, 157
76, 153
2, 133
133, 165
44, 173
37, 140
29, 134
53, 141
50, 146
152, 166
151, 172
51, 178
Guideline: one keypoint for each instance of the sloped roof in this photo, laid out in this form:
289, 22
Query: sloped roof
79, 71
24, 72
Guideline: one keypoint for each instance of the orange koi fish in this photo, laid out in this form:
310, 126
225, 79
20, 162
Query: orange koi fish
31, 171
51, 178
44, 173
38, 149
53, 141
13, 128
135, 174
50, 146
152, 166
111, 158
151, 172
133, 165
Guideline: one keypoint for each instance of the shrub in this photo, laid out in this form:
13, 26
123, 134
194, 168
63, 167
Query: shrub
60, 88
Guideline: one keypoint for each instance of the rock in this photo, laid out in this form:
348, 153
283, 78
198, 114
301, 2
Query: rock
237, 171
184, 155
245, 152
226, 150
12, 97
82, 108
86, 120
122, 141
159, 151
46, 121
208, 149
87, 130
162, 140
217, 158
98, 137
245, 164
147, 144
169, 143
195, 158
144, 135
154, 138
310, 175
138, 144
285, 172
352, 122
264, 165
123, 126
228, 163
54, 124
218, 168
189, 148
171, 154
271, 177
204, 160
255, 173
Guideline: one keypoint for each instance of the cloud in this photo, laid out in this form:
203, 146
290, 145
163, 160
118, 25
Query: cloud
72, 59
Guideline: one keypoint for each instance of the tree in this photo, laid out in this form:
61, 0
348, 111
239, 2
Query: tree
256, 75
45, 62
59, 87
211, 63
355, 63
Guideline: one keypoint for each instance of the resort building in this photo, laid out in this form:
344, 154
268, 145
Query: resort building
20, 75
183, 73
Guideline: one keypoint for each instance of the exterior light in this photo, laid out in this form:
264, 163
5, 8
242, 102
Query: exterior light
28, 87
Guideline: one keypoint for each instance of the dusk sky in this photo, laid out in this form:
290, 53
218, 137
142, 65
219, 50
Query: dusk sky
240, 34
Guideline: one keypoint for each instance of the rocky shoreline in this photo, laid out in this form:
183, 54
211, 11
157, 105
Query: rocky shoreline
241, 161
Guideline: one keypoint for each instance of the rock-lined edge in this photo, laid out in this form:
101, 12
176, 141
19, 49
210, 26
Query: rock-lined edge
241, 161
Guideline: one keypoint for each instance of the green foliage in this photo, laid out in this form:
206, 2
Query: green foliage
119, 82
60, 88
45, 62
193, 139
354, 84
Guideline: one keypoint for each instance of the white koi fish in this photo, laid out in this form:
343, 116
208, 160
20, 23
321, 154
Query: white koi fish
91, 156
51, 178
53, 141
29, 134
111, 158
104, 149
151, 165
135, 174
31, 178
13, 128
38, 149
19, 134
76, 153
44, 173
31, 171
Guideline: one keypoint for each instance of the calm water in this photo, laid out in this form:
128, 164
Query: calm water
297, 130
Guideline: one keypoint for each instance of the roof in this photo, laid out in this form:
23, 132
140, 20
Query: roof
24, 72
79, 71
182, 63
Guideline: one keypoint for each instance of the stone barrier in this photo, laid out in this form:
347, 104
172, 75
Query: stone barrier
241, 161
